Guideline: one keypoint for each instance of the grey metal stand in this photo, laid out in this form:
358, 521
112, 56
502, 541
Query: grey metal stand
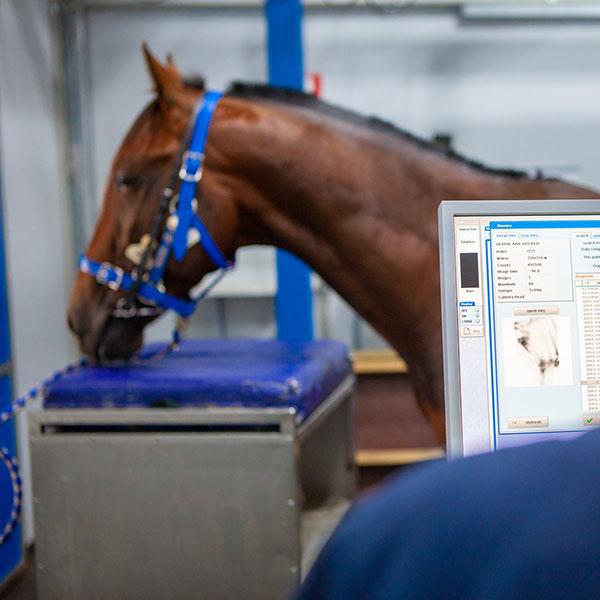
186, 503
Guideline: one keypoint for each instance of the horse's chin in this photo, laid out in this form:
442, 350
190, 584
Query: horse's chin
120, 340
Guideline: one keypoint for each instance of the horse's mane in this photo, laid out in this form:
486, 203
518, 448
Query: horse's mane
304, 100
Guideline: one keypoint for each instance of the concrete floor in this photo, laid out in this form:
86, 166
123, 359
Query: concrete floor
23, 586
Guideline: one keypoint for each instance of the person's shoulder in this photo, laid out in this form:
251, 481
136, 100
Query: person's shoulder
442, 526
484, 482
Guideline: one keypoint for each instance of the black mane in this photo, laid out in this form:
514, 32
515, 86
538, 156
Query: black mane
302, 99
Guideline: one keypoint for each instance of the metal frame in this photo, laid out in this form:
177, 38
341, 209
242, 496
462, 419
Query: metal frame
578, 5
4, 313
446, 213
293, 301
70, 55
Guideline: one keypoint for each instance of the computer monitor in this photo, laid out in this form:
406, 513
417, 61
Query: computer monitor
520, 284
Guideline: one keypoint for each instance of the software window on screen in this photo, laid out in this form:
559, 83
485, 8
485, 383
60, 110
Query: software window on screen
528, 291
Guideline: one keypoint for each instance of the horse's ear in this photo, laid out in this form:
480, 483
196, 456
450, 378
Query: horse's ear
168, 82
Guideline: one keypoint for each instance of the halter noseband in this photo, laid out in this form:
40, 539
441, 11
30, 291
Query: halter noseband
145, 282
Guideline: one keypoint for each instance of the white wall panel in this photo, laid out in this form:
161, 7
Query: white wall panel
37, 236
510, 93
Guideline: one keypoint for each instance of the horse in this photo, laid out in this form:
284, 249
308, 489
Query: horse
354, 197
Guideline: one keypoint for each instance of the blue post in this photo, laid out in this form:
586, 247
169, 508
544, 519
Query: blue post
293, 303
11, 553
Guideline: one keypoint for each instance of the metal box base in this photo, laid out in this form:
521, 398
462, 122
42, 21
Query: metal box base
185, 503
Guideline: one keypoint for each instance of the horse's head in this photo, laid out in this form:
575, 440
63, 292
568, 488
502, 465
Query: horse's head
139, 172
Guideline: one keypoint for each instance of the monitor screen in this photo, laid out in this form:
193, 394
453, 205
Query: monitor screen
521, 289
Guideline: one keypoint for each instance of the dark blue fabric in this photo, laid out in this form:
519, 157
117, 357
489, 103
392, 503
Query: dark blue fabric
522, 523
253, 373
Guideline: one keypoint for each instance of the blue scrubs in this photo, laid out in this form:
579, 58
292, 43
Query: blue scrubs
521, 523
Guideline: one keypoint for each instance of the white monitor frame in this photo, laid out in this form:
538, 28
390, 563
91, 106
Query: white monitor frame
447, 212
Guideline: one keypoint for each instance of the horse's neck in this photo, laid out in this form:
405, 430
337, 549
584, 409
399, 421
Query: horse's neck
358, 206
333, 195
361, 209
320, 181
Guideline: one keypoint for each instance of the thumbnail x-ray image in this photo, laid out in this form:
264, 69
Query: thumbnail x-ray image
537, 351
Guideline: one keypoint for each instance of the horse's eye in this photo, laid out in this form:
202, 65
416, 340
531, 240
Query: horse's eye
126, 182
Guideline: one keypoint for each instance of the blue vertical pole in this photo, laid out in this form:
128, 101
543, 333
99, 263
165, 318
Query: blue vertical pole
293, 302
11, 552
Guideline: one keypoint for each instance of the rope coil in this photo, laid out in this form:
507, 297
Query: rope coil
13, 519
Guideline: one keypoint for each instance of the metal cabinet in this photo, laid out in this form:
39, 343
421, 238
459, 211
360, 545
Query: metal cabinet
187, 503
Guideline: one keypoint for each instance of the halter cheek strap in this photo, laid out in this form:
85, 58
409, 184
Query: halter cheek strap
148, 285
190, 174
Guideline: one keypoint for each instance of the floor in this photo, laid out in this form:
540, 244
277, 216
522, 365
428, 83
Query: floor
22, 587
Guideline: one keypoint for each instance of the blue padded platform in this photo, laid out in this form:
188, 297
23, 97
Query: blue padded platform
250, 373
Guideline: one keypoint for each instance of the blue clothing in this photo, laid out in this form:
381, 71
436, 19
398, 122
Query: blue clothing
520, 523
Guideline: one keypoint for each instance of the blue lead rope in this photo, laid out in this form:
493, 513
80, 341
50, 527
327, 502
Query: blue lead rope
10, 461
13, 519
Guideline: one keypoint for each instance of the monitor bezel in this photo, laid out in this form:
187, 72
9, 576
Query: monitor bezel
447, 212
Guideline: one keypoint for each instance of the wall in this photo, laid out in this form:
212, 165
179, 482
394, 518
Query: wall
509, 93
518, 93
36, 234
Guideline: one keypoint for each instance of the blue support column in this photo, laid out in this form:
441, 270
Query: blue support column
11, 552
293, 303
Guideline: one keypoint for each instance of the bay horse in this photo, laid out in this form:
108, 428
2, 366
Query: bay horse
354, 197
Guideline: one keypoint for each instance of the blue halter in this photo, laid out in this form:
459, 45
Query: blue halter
149, 286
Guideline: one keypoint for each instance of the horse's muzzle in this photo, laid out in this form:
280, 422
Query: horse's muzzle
104, 337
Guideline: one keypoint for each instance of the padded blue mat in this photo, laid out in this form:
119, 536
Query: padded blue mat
251, 373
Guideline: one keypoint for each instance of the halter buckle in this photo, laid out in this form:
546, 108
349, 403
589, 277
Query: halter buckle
104, 273
194, 177
174, 206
